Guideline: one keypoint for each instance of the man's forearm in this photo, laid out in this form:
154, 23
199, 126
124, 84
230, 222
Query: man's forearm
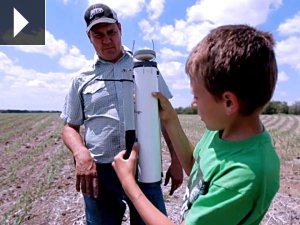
73, 140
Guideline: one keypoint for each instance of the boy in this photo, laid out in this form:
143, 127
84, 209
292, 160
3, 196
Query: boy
234, 169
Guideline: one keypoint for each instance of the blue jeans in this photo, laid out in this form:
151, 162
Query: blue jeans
109, 207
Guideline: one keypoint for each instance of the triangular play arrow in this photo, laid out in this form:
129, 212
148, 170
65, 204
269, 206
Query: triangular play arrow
19, 22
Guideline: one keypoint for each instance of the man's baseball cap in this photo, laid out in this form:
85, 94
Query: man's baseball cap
99, 13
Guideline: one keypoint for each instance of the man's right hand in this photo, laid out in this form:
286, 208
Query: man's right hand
86, 174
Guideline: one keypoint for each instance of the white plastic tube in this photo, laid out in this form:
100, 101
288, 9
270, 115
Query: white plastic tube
147, 122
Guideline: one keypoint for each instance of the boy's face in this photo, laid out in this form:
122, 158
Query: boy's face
212, 112
106, 39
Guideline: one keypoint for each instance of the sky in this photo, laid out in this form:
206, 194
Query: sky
38, 77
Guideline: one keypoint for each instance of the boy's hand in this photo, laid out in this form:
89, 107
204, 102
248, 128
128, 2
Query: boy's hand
126, 168
166, 110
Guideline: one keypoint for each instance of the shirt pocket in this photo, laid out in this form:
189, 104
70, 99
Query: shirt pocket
94, 87
95, 94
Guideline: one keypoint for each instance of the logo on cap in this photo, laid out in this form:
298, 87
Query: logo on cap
96, 11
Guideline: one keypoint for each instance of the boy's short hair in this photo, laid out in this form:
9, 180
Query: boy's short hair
239, 59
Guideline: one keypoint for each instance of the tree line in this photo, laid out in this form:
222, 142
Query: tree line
274, 107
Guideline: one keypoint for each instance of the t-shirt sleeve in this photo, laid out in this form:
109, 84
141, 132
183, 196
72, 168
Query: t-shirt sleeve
219, 206
72, 111
163, 87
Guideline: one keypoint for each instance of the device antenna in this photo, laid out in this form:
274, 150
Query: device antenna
133, 43
153, 45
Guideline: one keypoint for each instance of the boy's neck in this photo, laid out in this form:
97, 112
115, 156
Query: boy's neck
242, 127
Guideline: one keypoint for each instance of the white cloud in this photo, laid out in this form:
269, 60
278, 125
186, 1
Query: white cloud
287, 53
205, 15
123, 8
195, 33
174, 34
53, 47
181, 34
150, 31
7, 66
171, 69
252, 12
181, 84
282, 76
155, 8
74, 60
282, 93
167, 54
66, 2
174, 74
290, 26
70, 58
24, 88
4, 61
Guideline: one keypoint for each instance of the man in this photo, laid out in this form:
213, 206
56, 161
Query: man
95, 100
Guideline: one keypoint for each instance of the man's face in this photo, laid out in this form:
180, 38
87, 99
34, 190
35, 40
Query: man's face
106, 39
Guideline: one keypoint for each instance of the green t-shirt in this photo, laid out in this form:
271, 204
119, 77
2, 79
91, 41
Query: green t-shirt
231, 182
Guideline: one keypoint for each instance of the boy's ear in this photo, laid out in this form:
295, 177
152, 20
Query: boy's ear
231, 103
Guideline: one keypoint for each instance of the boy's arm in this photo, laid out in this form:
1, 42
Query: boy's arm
174, 171
125, 170
182, 146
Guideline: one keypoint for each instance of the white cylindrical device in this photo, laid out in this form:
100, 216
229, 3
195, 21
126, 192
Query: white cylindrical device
147, 116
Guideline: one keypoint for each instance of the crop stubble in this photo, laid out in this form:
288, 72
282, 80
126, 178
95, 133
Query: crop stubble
37, 184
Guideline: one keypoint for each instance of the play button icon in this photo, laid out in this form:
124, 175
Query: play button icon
19, 22
22, 22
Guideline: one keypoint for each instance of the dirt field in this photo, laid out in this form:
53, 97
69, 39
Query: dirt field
37, 185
